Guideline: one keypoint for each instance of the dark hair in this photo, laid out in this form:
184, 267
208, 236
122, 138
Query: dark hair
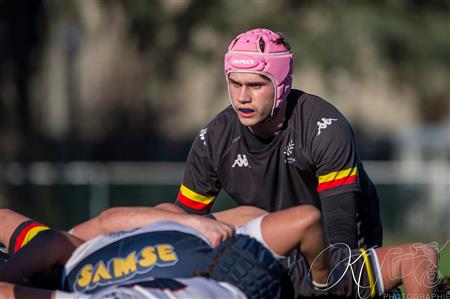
281, 40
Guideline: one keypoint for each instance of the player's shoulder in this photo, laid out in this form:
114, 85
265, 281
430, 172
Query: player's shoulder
311, 103
310, 109
224, 124
224, 119
315, 118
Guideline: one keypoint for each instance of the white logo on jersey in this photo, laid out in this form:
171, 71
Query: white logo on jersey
241, 161
289, 151
203, 133
324, 124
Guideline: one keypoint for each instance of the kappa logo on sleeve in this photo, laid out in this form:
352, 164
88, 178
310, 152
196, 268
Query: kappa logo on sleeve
202, 135
324, 124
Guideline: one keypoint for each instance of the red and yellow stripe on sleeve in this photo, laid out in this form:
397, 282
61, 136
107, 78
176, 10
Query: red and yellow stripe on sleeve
28, 233
194, 200
338, 178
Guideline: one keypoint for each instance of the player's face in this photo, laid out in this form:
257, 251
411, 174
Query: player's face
252, 96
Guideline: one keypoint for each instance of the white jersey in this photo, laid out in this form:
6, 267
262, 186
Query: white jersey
104, 240
188, 288
251, 228
150, 287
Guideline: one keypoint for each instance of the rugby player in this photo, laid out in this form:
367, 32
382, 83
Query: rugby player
127, 258
275, 147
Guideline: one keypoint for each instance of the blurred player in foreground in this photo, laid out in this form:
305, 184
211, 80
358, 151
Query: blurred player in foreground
162, 259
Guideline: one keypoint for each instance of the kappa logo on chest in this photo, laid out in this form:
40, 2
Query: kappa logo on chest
241, 161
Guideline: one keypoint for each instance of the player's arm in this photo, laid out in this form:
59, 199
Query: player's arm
200, 184
29, 244
10, 221
339, 218
335, 160
122, 218
47, 249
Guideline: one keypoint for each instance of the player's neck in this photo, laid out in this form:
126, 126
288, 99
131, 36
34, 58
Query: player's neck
270, 128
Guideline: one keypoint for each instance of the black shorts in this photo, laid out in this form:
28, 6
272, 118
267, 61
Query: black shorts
355, 273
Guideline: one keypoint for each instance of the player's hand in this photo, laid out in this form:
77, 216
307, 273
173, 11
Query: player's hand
215, 231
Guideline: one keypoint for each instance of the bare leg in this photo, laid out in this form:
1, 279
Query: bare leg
413, 265
299, 226
9, 221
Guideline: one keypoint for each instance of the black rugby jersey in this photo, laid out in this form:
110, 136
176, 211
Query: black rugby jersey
313, 157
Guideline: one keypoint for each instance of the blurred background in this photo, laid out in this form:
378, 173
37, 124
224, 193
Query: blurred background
100, 100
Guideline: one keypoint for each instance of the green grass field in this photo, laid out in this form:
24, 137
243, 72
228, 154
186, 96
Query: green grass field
444, 266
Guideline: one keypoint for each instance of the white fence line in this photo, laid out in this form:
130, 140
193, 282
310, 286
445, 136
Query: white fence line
171, 173
85, 173
434, 175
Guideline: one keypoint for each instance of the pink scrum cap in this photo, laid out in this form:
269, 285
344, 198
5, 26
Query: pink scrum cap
261, 51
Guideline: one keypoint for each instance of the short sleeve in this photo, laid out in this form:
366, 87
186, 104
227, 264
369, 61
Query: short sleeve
200, 183
335, 154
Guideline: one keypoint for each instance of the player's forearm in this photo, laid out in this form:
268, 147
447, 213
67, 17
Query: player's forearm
117, 219
339, 217
120, 218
